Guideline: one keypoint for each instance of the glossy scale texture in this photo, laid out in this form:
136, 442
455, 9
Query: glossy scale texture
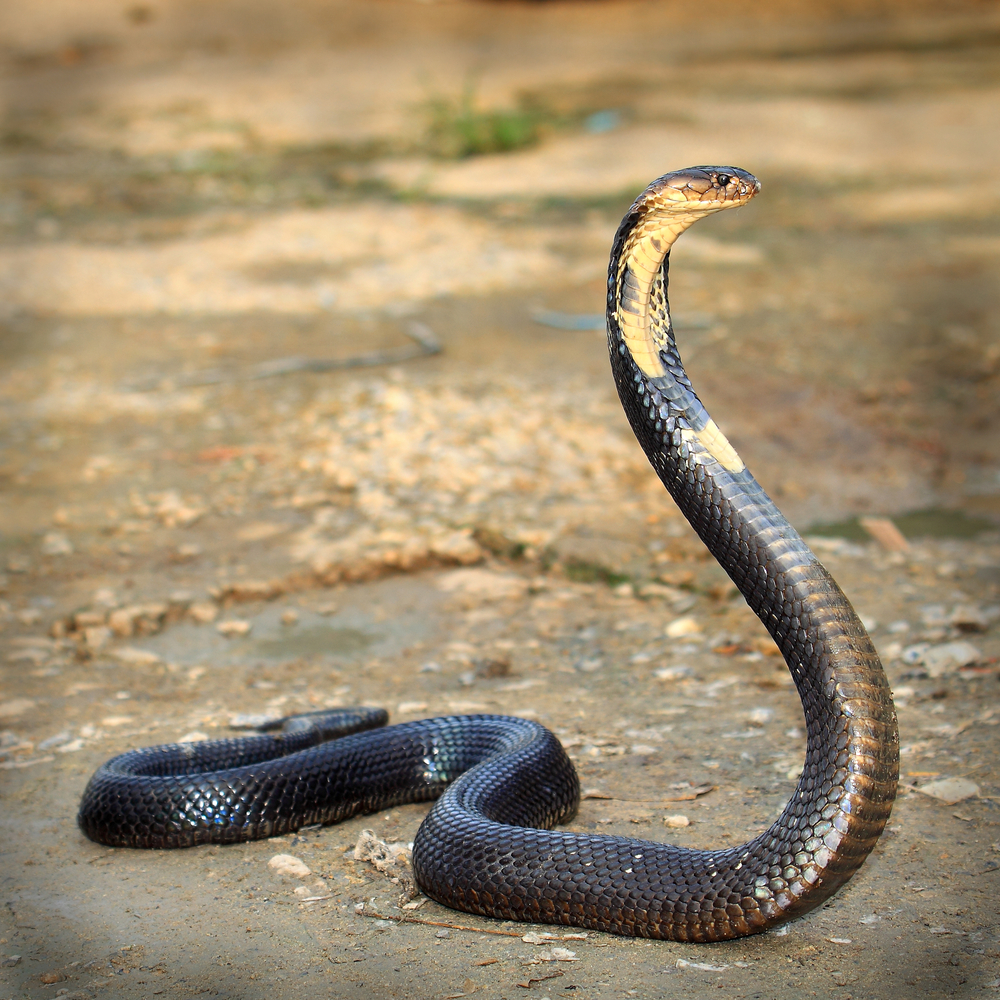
501, 780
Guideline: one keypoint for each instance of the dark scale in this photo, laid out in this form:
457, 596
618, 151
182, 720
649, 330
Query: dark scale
501, 782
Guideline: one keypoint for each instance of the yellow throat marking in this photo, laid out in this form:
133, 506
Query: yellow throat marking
716, 444
643, 256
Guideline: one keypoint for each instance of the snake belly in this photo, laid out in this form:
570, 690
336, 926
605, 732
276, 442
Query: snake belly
501, 782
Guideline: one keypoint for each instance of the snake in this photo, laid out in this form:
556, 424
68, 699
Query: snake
503, 786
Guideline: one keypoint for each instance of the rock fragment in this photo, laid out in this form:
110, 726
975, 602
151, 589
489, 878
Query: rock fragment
681, 627
390, 859
96, 637
244, 591
203, 612
138, 619
288, 864
949, 657
233, 628
950, 791
132, 656
970, 618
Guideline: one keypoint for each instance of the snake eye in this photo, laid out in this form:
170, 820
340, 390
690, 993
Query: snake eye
723, 180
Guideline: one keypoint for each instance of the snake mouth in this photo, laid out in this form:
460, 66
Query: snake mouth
699, 190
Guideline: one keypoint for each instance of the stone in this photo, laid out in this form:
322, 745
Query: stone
233, 628
950, 791
288, 864
969, 618
132, 656
203, 612
121, 621
249, 590
142, 619
96, 637
949, 657
457, 546
682, 627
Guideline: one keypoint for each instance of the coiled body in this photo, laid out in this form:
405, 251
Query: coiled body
480, 848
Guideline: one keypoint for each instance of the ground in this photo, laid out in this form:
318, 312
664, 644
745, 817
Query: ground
199, 202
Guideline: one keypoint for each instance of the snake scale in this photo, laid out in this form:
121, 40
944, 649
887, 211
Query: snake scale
487, 845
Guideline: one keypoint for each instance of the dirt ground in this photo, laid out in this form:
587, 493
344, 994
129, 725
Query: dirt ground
199, 201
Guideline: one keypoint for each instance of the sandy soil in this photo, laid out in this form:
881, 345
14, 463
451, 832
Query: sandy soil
190, 193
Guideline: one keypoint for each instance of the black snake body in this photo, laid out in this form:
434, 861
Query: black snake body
485, 847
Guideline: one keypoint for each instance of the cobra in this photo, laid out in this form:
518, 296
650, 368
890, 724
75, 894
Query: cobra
487, 845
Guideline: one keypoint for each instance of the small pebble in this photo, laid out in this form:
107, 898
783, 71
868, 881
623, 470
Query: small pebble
676, 820
134, 657
251, 720
203, 612
949, 657
288, 864
672, 673
411, 706
96, 637
682, 626
290, 617
442, 934
234, 627
968, 618
950, 790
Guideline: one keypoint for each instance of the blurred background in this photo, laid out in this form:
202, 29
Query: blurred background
198, 195
305, 402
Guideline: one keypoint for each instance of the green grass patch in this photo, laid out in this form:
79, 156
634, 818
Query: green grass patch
458, 128
587, 572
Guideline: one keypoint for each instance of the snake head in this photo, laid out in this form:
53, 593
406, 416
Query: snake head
659, 215
697, 191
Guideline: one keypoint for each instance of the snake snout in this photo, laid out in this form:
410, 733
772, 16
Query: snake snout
731, 184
